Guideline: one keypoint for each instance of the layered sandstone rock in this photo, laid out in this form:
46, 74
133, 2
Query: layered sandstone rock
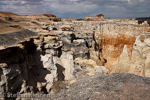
139, 59
109, 38
41, 53
14, 17
7, 14
148, 30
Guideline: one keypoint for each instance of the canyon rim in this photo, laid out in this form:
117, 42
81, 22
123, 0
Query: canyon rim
89, 58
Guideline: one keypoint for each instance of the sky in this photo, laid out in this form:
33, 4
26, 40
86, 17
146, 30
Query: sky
79, 8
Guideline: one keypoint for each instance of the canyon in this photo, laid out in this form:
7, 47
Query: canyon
44, 54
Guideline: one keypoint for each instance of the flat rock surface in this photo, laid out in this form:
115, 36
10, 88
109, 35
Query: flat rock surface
4, 30
15, 37
106, 87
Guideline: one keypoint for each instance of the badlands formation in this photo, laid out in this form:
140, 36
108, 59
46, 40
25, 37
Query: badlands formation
89, 58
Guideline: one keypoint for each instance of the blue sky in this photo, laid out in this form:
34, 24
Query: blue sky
79, 8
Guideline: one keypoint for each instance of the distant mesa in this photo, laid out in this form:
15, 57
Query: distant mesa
99, 17
13, 14
8, 13
8, 16
49, 15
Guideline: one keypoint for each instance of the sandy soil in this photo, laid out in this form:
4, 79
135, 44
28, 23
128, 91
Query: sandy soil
4, 30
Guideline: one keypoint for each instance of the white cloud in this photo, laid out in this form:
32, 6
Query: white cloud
23, 2
11, 6
111, 8
74, 7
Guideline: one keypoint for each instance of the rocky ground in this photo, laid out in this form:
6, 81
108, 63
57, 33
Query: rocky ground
106, 87
73, 58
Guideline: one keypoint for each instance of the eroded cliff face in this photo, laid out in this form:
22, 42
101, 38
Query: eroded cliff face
33, 62
112, 38
28, 67
139, 60
35, 65
39, 55
108, 41
111, 47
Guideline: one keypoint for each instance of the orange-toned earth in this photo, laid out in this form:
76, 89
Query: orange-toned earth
112, 47
148, 30
8, 13
49, 15
99, 17
15, 17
